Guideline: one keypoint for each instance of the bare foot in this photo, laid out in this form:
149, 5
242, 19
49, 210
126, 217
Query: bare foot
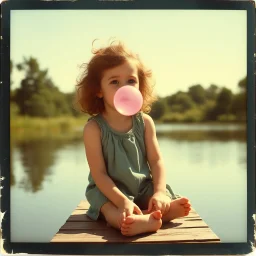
138, 224
178, 208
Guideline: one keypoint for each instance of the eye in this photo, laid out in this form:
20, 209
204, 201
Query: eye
131, 81
114, 82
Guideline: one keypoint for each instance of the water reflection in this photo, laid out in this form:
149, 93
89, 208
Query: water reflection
204, 135
37, 157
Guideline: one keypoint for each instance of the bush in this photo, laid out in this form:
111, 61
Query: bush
226, 118
14, 110
193, 115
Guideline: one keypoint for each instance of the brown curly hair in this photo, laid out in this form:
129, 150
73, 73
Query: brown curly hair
86, 99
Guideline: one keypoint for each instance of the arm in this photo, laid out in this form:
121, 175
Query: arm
159, 200
93, 149
154, 156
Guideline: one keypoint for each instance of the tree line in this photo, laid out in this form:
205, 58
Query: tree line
38, 96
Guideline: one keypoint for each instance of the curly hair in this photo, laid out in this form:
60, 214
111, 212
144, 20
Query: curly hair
86, 99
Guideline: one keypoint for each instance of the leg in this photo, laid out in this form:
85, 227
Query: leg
111, 215
178, 207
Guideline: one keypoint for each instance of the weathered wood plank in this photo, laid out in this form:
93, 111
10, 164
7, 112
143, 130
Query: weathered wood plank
79, 215
102, 225
161, 236
80, 228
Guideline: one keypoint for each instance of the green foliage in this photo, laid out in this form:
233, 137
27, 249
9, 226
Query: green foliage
180, 102
243, 84
157, 111
70, 99
238, 107
28, 128
14, 110
223, 102
211, 104
197, 93
212, 92
38, 96
226, 117
193, 115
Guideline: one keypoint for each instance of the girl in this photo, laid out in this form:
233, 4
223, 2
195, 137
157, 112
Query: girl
127, 183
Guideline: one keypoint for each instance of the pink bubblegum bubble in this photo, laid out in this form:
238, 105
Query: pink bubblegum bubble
128, 100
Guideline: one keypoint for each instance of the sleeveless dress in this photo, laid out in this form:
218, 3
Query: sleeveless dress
126, 164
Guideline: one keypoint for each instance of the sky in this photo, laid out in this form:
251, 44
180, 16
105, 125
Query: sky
182, 47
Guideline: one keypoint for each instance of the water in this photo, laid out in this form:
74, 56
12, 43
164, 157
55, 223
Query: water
206, 163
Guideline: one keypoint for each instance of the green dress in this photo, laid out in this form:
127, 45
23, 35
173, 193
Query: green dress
126, 164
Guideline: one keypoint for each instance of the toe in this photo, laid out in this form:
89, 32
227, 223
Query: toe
129, 220
157, 214
124, 226
183, 200
124, 232
187, 211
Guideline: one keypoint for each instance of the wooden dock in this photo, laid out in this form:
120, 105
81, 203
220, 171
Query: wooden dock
80, 228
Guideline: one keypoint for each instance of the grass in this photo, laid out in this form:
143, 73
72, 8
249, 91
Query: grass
60, 127
68, 127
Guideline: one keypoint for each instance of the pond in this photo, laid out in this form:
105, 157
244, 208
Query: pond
204, 162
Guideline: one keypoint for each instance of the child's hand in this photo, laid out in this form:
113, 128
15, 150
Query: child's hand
128, 208
159, 201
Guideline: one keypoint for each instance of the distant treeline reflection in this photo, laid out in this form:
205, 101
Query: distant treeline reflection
222, 135
37, 156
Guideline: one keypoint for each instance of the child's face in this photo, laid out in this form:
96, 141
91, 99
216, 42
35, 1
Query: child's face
113, 79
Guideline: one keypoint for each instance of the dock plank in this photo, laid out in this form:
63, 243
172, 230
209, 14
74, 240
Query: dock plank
80, 228
113, 236
82, 225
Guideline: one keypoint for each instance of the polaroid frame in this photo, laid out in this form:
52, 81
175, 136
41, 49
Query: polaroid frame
125, 249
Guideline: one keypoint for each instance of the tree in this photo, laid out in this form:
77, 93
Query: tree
185, 102
157, 110
211, 92
180, 102
197, 93
238, 106
242, 84
224, 101
70, 99
37, 95
14, 109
